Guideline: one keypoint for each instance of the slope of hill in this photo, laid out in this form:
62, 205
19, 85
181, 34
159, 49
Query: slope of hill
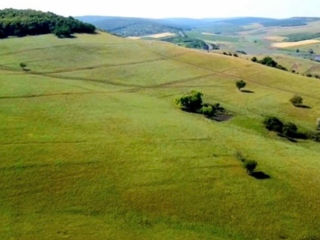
94, 147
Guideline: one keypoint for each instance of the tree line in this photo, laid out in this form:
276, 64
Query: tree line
30, 22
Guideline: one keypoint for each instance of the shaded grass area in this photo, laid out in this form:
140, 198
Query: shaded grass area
84, 158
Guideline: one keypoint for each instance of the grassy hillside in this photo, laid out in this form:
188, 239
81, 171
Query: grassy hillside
94, 147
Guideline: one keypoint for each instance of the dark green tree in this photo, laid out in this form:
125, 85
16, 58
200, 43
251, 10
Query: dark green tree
268, 61
63, 31
296, 100
290, 130
241, 84
254, 59
250, 166
192, 102
273, 124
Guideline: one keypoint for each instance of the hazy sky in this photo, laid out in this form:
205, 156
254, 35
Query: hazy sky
173, 8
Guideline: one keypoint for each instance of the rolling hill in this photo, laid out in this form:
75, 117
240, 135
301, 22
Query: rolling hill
125, 27
93, 145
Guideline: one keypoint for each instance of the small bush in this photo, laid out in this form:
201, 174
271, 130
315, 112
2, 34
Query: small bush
192, 102
315, 136
309, 75
23, 65
281, 67
290, 130
296, 100
241, 84
208, 111
273, 124
318, 124
250, 166
254, 59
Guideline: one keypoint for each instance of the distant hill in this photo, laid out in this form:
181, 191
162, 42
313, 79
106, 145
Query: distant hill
125, 26
290, 22
30, 22
129, 26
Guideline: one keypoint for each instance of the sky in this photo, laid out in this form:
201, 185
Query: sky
173, 8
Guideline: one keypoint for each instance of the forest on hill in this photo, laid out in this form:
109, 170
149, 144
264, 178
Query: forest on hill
30, 22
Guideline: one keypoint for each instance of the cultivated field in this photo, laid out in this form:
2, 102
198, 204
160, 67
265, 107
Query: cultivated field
94, 147
156, 36
295, 44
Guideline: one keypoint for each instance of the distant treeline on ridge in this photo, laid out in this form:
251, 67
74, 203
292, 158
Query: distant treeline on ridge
30, 22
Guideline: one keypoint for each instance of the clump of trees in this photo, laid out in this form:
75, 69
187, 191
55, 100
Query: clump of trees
288, 130
230, 54
193, 102
273, 124
241, 84
270, 62
296, 101
30, 22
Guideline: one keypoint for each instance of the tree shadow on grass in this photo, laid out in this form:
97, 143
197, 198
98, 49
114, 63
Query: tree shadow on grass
303, 106
247, 91
260, 175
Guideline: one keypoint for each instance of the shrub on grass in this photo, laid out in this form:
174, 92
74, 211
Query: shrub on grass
250, 166
273, 124
315, 136
23, 65
208, 111
290, 130
241, 84
296, 100
192, 102
318, 124
281, 67
254, 59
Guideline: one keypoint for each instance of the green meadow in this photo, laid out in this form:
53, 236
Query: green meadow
93, 146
